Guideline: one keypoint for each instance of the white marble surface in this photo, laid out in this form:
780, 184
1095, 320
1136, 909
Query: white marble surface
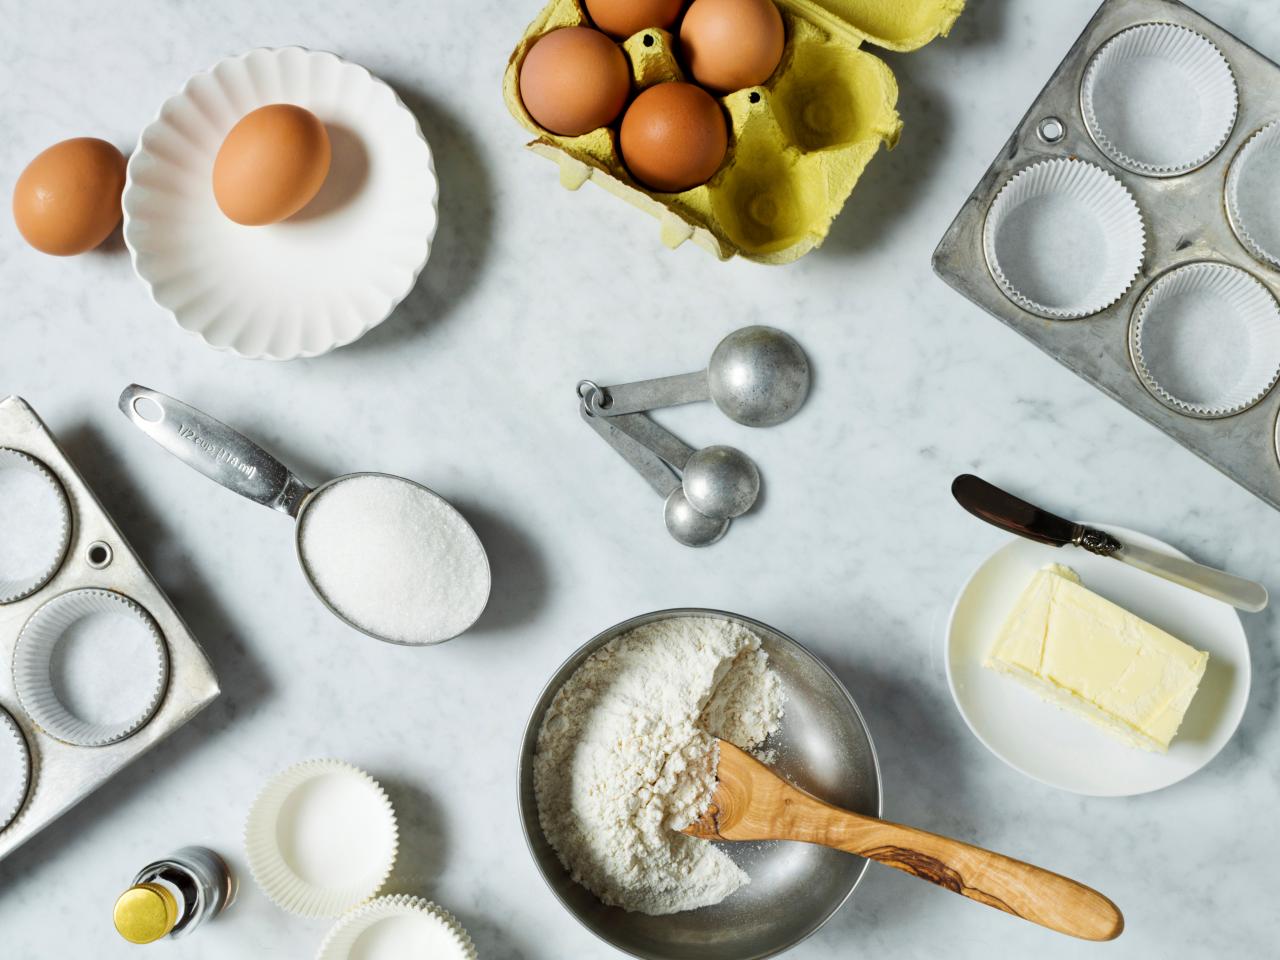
857, 552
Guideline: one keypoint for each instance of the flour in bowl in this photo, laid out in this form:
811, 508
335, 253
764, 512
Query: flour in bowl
626, 758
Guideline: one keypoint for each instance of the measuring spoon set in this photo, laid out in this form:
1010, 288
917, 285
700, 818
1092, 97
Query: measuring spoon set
757, 376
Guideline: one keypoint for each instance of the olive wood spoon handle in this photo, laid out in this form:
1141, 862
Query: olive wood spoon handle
751, 802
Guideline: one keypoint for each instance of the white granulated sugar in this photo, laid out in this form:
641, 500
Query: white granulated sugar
626, 758
395, 559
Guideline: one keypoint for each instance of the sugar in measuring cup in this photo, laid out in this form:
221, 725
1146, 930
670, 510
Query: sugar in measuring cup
386, 555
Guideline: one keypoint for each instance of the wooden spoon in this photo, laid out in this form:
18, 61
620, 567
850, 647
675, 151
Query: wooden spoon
751, 802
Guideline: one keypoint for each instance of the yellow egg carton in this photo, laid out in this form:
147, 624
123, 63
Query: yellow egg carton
798, 143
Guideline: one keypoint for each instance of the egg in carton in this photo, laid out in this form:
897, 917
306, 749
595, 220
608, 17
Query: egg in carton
798, 142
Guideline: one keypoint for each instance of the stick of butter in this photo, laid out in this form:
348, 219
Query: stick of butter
1085, 654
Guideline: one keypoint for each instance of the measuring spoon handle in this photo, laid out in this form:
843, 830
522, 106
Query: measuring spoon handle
646, 463
624, 398
213, 448
656, 439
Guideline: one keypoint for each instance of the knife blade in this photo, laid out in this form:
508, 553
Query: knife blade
1002, 509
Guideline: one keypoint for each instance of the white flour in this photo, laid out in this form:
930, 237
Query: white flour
626, 758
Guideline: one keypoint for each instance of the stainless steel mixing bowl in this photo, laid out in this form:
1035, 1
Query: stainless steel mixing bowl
823, 746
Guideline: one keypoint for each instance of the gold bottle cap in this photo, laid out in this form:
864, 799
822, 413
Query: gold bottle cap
146, 913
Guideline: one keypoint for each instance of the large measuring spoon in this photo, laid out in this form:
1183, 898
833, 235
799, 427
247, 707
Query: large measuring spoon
757, 376
720, 482
386, 555
684, 523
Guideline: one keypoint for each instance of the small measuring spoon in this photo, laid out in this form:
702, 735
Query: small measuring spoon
237, 463
684, 523
757, 376
720, 482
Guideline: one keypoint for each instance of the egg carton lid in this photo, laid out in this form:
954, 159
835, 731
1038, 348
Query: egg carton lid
900, 25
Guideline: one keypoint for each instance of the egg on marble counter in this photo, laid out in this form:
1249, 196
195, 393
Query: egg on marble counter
574, 80
674, 137
731, 44
67, 200
271, 165
622, 18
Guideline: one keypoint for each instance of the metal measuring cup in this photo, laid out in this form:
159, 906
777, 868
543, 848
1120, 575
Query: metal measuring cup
237, 463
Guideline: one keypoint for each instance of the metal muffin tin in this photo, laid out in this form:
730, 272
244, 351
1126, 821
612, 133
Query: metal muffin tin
1186, 221
98, 557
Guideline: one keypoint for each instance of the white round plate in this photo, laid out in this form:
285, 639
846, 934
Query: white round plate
318, 280
1064, 750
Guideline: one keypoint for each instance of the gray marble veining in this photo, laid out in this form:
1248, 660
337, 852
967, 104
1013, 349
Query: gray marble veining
469, 388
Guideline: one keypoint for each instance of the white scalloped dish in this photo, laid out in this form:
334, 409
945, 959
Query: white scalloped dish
318, 280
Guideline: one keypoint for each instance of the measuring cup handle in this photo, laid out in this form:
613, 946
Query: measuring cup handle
213, 448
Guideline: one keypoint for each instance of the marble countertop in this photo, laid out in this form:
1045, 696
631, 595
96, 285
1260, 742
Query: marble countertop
857, 550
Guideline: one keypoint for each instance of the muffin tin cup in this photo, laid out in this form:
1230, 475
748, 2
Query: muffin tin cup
1064, 239
1130, 84
15, 769
42, 667
421, 929
1205, 339
321, 838
1252, 197
44, 561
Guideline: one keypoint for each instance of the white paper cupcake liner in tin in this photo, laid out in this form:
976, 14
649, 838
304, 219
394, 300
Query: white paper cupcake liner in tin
1205, 339
90, 667
321, 838
15, 769
391, 928
35, 525
1064, 239
1159, 99
1253, 194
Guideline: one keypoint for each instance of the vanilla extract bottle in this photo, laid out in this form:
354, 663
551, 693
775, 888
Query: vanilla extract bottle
173, 896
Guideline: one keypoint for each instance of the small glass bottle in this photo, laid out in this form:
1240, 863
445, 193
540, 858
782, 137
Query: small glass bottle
171, 897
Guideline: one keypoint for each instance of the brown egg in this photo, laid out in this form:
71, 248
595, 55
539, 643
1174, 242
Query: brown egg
674, 137
271, 165
622, 18
574, 80
731, 44
67, 201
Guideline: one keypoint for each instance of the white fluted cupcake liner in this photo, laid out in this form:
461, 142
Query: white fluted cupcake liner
1253, 194
90, 667
15, 769
395, 927
1159, 99
317, 280
321, 838
1064, 239
1205, 339
34, 533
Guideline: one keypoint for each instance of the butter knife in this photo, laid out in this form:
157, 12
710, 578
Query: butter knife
1004, 510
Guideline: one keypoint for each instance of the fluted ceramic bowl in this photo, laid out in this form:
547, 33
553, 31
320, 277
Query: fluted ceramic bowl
318, 280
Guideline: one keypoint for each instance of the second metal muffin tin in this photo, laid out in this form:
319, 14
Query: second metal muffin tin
1186, 221
98, 557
